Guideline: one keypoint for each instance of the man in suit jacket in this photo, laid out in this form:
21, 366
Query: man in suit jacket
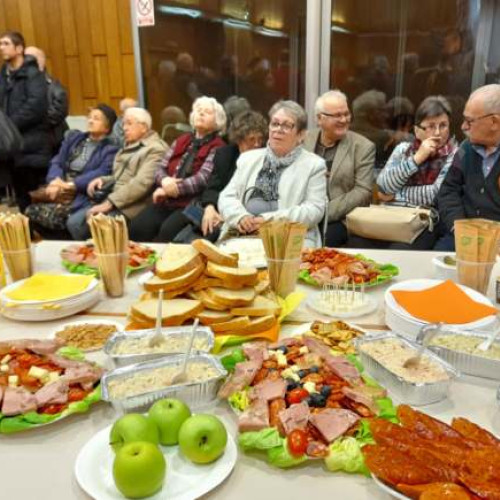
349, 158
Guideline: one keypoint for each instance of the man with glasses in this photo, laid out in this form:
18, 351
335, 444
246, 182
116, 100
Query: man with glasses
349, 158
471, 187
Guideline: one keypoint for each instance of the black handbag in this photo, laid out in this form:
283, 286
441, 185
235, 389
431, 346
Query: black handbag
104, 191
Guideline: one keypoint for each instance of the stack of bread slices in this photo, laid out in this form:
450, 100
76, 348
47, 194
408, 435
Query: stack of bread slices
200, 280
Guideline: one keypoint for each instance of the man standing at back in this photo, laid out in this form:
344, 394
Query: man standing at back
471, 189
23, 97
349, 158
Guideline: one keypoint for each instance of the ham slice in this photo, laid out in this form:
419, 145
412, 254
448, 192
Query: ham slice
268, 390
295, 417
18, 400
365, 396
287, 342
37, 346
256, 351
243, 375
255, 417
333, 423
85, 374
54, 393
65, 362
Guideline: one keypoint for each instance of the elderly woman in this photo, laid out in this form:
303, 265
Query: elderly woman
82, 158
282, 180
247, 131
128, 189
415, 171
183, 174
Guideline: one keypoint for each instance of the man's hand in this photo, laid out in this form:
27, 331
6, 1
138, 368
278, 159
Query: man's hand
159, 195
93, 185
102, 208
211, 220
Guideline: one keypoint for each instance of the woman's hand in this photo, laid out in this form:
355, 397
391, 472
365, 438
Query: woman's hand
385, 197
159, 195
172, 189
427, 148
52, 191
93, 185
250, 224
211, 220
102, 208
167, 181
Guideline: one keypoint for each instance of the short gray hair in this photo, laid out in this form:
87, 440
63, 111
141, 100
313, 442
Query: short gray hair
490, 95
292, 109
220, 114
141, 115
368, 101
330, 94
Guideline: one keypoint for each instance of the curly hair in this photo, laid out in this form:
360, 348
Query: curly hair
247, 123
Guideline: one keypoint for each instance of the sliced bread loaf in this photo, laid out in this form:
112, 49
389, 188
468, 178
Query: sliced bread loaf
214, 254
243, 276
231, 298
261, 306
176, 260
174, 312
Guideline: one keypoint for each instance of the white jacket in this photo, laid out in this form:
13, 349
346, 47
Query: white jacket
302, 192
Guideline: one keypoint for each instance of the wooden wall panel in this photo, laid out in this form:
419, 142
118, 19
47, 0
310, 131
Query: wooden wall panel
88, 44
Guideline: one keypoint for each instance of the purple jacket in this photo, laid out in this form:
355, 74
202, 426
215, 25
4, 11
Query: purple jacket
99, 164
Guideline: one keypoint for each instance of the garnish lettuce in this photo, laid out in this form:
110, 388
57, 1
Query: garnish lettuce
345, 455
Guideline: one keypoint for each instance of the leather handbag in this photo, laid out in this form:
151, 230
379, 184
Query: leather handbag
402, 224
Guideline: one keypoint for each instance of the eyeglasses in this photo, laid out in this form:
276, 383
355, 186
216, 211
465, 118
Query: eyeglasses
337, 116
440, 127
470, 121
283, 127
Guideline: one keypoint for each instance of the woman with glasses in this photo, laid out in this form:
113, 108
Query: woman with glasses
282, 180
415, 171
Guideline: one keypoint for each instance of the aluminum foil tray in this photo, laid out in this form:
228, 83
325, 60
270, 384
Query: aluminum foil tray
195, 394
202, 332
417, 394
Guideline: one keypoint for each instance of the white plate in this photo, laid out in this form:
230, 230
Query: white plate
422, 284
368, 307
184, 480
250, 250
118, 326
388, 489
3, 294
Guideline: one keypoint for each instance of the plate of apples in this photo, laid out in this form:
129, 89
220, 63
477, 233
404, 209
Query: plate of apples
166, 453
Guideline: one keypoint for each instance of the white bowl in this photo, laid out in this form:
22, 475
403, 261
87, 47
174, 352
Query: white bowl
444, 271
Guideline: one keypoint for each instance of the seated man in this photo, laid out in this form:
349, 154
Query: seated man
349, 159
471, 187
130, 184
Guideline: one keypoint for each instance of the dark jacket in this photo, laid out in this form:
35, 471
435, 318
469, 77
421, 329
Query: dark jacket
465, 193
58, 111
24, 99
224, 167
98, 165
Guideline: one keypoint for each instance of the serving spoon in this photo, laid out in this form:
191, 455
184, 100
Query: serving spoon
180, 377
486, 344
427, 332
157, 337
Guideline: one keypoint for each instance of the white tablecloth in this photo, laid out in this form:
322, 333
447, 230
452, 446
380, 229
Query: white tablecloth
40, 463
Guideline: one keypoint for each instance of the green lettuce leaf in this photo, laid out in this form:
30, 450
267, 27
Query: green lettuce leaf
345, 455
352, 358
260, 440
364, 433
231, 360
38, 418
71, 353
281, 457
239, 400
387, 410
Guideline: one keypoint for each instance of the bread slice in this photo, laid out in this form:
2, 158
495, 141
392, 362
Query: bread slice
179, 282
176, 260
262, 286
234, 325
174, 311
231, 298
244, 276
261, 306
214, 254
208, 302
208, 317
205, 281
257, 325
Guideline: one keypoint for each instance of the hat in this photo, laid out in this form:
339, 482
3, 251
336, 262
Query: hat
109, 113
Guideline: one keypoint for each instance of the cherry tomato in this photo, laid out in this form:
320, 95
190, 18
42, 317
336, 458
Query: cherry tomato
296, 396
297, 442
76, 394
52, 409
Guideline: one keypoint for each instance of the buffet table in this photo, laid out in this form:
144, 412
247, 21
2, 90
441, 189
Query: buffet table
40, 463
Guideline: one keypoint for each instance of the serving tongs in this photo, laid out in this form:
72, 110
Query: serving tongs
425, 335
157, 337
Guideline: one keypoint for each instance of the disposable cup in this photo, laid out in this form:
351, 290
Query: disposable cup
475, 275
283, 275
113, 268
20, 263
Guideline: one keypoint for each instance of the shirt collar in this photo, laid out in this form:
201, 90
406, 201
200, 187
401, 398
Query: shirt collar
481, 150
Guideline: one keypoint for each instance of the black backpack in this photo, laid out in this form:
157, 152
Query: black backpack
11, 141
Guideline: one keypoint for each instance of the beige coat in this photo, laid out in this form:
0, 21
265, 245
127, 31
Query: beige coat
351, 180
133, 188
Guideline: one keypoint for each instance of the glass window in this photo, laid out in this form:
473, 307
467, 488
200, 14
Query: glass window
222, 48
387, 55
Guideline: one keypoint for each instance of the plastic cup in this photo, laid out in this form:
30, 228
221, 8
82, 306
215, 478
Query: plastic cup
20, 263
475, 275
112, 269
283, 275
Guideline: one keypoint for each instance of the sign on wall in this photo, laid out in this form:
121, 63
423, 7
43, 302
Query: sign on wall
145, 12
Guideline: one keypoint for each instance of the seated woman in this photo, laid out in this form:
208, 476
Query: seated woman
415, 171
247, 131
282, 180
83, 157
131, 182
182, 174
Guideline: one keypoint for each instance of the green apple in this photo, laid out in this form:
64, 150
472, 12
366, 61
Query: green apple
202, 438
169, 415
133, 427
139, 469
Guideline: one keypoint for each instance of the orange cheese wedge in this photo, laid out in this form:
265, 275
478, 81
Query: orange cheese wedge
445, 302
